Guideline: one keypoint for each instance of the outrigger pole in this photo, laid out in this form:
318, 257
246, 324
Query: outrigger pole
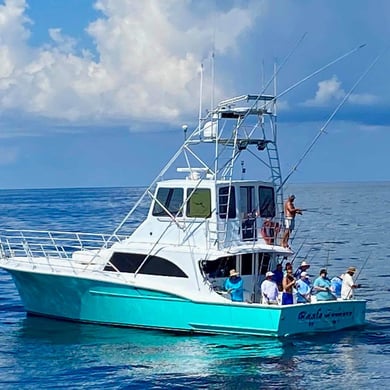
320, 70
337, 109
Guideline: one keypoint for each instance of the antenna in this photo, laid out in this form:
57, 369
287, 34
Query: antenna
212, 79
200, 96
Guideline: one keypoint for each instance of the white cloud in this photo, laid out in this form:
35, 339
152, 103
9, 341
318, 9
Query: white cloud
330, 90
147, 63
363, 99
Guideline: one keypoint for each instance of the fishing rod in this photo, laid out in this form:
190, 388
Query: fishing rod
357, 277
315, 211
337, 109
297, 252
363, 266
295, 232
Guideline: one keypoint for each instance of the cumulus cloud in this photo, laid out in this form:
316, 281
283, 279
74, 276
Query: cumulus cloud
330, 90
145, 66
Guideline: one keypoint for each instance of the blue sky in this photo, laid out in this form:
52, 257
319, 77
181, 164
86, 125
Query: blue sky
94, 92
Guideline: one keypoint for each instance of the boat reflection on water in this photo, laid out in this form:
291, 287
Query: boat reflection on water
146, 348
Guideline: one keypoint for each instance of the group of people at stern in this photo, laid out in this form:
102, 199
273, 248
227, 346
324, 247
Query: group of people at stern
285, 287
288, 287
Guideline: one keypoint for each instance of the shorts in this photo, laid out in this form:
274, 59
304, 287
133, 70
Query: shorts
289, 223
287, 299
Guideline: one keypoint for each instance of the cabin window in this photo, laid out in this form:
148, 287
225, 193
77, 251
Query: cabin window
246, 264
171, 199
154, 265
266, 202
247, 200
125, 262
199, 203
219, 268
248, 212
227, 202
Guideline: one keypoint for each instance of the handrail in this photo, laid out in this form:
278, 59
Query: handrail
50, 244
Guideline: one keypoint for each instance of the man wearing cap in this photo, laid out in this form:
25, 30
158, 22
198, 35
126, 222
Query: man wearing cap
322, 286
290, 211
303, 288
269, 290
235, 286
348, 284
302, 268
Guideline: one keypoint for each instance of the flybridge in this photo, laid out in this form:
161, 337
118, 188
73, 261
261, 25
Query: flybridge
227, 110
256, 105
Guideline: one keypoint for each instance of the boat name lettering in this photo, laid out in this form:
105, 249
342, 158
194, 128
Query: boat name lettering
310, 316
304, 315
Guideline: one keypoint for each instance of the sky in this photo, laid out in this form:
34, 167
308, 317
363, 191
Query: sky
95, 92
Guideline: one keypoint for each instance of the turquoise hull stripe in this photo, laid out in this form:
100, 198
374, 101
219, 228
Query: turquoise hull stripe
107, 303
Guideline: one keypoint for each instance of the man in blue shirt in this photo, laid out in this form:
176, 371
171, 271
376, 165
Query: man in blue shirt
278, 276
234, 285
322, 286
303, 288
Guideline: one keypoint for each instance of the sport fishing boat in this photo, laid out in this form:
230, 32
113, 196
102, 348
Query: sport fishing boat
205, 218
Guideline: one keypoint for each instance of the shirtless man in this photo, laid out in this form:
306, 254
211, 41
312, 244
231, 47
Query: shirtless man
288, 284
290, 211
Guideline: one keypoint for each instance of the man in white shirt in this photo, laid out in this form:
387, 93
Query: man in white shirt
269, 290
348, 284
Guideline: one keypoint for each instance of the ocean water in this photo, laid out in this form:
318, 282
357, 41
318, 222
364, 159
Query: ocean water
344, 225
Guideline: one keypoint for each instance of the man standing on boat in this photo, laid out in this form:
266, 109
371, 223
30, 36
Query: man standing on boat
322, 287
303, 288
288, 285
269, 290
290, 211
235, 286
348, 284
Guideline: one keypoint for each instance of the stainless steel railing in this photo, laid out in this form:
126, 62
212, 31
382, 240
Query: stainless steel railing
39, 243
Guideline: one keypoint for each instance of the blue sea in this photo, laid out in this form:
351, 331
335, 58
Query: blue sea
344, 225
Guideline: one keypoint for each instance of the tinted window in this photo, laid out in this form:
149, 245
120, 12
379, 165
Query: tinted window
158, 266
171, 199
199, 204
266, 202
246, 264
154, 265
125, 262
225, 200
